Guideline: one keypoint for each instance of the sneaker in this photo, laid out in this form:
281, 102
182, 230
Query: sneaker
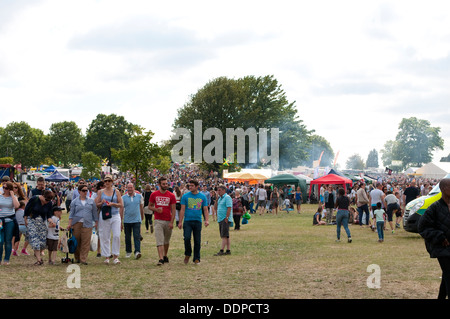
106, 261
137, 255
228, 252
197, 262
99, 255
116, 261
160, 262
393, 231
24, 252
14, 253
127, 255
349, 239
220, 253
166, 260
338, 240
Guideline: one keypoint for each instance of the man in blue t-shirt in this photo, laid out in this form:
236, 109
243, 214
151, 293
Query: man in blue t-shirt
133, 214
193, 205
224, 208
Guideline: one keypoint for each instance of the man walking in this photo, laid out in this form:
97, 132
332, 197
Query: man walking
133, 214
224, 208
162, 203
193, 205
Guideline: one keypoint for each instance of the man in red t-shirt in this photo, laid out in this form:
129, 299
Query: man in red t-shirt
162, 203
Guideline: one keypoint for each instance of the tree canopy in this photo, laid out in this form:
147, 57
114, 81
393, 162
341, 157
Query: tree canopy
249, 103
414, 144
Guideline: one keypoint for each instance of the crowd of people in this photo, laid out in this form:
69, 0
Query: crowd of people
374, 205
184, 198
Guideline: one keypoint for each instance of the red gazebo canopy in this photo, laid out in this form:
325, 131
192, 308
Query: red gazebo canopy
332, 179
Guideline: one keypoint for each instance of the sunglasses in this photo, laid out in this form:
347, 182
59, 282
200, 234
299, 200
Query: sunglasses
84, 190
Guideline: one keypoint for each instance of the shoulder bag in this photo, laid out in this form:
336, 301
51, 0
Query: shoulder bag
106, 210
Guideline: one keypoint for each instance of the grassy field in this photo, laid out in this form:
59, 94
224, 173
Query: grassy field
273, 257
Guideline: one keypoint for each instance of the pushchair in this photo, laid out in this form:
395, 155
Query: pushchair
68, 245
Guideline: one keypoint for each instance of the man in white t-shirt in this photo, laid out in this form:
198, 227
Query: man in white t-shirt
261, 196
377, 196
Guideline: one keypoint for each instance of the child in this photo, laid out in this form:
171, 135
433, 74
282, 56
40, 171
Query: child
353, 215
379, 216
318, 217
53, 235
286, 204
22, 230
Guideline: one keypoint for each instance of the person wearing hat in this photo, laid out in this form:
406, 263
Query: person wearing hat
111, 197
53, 234
83, 214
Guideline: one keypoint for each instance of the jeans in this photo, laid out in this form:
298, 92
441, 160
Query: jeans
342, 220
128, 229
380, 230
6, 240
192, 227
363, 209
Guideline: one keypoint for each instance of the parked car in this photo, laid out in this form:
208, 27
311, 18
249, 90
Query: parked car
418, 206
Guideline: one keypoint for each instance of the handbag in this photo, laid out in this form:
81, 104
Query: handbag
72, 243
106, 210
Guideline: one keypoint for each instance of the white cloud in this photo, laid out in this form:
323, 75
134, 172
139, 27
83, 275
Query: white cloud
355, 69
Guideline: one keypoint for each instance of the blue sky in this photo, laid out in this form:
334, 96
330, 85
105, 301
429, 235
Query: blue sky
353, 68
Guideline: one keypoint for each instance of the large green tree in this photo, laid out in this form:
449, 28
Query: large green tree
250, 103
65, 143
319, 144
355, 162
142, 155
92, 166
23, 142
415, 143
108, 132
372, 159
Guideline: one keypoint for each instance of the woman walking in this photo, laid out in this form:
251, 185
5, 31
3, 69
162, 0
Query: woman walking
148, 214
81, 219
8, 206
37, 212
298, 198
109, 197
342, 216
274, 197
238, 209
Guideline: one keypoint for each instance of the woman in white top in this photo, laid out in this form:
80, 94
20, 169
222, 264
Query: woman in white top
8, 206
110, 197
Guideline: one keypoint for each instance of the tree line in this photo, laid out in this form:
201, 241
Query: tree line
108, 139
248, 102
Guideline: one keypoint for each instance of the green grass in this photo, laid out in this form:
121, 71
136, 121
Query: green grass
272, 257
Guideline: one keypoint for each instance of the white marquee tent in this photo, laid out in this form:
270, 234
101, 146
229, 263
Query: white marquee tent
435, 170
